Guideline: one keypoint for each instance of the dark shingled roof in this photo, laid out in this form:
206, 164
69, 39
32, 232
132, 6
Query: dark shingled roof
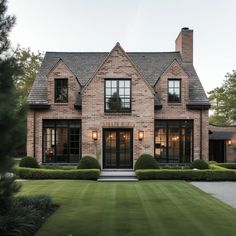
220, 135
84, 64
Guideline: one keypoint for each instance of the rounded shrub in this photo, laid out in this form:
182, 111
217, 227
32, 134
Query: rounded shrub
146, 161
200, 164
29, 162
88, 162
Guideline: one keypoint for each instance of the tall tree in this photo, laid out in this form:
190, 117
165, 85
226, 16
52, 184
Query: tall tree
223, 100
28, 63
8, 111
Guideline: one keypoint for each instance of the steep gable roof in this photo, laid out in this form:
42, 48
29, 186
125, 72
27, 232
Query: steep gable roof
118, 47
84, 64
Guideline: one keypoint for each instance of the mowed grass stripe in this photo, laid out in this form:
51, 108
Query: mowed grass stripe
142, 208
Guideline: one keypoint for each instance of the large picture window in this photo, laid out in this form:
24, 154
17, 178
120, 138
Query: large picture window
117, 95
174, 90
173, 141
61, 90
61, 141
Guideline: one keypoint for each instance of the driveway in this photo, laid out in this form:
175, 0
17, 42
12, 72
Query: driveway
224, 191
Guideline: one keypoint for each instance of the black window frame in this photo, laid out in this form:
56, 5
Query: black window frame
56, 81
183, 123
168, 89
118, 80
62, 123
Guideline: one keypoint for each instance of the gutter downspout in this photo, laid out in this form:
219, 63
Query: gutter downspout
201, 134
34, 135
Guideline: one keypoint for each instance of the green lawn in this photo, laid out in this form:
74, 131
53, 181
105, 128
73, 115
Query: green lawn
141, 208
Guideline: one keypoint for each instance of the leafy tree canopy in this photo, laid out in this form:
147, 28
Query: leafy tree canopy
29, 63
223, 100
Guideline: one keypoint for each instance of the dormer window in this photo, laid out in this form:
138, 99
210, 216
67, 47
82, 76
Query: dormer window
117, 95
61, 90
174, 90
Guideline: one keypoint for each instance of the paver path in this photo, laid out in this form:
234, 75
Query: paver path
224, 191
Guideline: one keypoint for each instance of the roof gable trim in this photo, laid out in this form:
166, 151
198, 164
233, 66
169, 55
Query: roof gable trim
129, 59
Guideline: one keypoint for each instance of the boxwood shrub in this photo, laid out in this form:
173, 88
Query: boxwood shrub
30, 173
146, 161
193, 175
88, 162
199, 164
29, 162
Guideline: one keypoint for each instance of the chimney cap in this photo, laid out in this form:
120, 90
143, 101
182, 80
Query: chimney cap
185, 28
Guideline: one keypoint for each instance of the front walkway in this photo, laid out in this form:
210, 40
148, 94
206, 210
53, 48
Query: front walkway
224, 191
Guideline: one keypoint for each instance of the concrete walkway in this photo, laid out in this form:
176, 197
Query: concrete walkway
224, 191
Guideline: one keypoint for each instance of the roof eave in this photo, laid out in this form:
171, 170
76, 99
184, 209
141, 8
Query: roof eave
38, 106
158, 107
198, 106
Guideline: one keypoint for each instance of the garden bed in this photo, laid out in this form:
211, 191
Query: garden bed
26, 215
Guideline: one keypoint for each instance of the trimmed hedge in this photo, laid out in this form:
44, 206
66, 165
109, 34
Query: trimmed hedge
227, 165
217, 167
29, 162
193, 175
199, 164
30, 173
88, 162
146, 161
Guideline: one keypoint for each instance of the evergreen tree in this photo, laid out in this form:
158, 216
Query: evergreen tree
8, 111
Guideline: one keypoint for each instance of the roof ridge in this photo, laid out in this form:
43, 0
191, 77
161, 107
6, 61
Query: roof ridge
108, 52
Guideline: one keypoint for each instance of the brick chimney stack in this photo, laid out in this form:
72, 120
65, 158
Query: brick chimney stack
184, 44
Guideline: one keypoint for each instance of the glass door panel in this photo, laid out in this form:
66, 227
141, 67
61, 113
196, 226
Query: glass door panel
110, 149
117, 148
124, 149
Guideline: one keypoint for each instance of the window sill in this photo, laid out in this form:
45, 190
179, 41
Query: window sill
117, 113
174, 104
61, 104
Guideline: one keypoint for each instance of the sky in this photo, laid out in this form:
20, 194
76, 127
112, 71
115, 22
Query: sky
139, 25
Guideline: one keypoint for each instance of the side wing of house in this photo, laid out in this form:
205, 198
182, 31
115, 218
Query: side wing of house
53, 122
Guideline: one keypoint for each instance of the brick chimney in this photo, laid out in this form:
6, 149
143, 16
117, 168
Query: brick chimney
184, 44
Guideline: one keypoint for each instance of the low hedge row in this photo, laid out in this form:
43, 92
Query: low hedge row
217, 167
30, 173
227, 165
193, 175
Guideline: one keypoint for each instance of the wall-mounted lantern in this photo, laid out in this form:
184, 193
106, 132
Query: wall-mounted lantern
229, 142
141, 135
94, 135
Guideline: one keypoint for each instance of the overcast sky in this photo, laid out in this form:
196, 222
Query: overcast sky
139, 25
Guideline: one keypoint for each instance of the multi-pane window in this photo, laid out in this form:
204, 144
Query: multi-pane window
117, 95
61, 90
173, 141
174, 90
61, 140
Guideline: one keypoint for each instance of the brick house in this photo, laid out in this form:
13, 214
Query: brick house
116, 106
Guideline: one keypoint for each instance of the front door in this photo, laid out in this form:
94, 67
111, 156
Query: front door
118, 148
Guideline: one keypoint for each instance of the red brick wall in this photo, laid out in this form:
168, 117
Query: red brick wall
118, 65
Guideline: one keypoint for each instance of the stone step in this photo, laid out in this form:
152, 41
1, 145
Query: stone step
117, 179
117, 174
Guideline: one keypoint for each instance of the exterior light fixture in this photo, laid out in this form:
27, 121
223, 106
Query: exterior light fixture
229, 142
141, 135
94, 135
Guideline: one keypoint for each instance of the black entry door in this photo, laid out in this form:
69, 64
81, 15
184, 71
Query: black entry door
117, 148
217, 150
